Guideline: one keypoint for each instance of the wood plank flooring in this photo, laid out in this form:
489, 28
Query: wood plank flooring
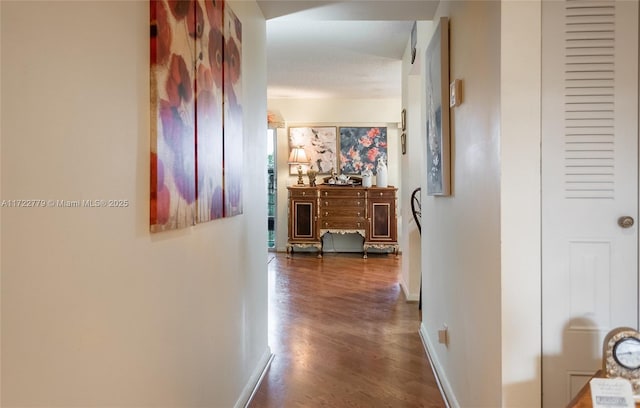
343, 335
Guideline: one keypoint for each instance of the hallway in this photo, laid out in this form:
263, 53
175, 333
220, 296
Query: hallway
343, 336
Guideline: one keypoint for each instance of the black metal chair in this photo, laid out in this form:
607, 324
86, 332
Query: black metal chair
416, 210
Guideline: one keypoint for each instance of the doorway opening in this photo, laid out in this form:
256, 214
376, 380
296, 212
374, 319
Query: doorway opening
271, 189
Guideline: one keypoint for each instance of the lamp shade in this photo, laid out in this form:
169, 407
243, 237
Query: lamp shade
275, 119
298, 156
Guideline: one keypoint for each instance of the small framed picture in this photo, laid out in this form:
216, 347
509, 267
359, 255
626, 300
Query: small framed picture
414, 42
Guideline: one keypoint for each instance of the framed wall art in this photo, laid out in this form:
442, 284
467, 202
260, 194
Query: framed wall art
437, 81
414, 41
319, 142
361, 148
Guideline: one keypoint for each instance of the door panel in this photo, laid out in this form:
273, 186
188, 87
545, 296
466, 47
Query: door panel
589, 179
590, 283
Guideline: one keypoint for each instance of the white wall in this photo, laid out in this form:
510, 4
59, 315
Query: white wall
461, 234
481, 246
520, 185
96, 311
333, 112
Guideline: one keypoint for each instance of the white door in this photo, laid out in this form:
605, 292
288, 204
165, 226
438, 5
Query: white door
589, 180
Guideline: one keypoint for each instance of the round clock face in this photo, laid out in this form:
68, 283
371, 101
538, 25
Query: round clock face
626, 352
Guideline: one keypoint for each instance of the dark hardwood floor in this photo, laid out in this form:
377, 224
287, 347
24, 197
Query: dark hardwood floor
343, 335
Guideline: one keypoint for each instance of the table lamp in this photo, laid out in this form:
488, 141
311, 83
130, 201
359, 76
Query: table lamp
298, 156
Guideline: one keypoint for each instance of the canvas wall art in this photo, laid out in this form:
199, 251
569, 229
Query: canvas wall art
361, 148
320, 144
233, 133
173, 166
437, 88
209, 113
196, 116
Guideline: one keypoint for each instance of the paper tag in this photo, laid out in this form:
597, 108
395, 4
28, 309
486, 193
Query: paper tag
611, 393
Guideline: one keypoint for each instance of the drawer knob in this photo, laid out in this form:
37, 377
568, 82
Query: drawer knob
326, 203
325, 193
380, 194
358, 202
304, 193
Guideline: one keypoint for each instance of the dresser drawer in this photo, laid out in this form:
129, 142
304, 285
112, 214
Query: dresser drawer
342, 192
349, 212
341, 202
342, 223
302, 193
375, 193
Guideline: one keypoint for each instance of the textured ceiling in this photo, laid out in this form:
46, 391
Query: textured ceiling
338, 49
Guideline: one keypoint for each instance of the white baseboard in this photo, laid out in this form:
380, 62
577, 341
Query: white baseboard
254, 381
411, 297
443, 383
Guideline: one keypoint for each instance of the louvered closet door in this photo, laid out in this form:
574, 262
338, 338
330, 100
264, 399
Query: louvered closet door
589, 180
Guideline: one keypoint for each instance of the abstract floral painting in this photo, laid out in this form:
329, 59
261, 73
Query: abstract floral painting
319, 143
233, 135
437, 81
209, 96
361, 148
195, 71
173, 155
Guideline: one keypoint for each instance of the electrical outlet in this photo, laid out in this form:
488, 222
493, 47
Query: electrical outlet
443, 335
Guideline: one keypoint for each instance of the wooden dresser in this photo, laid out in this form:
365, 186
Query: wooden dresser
370, 212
